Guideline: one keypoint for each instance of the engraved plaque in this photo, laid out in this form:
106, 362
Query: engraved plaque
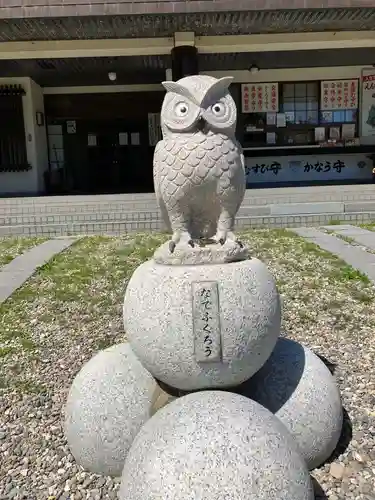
206, 321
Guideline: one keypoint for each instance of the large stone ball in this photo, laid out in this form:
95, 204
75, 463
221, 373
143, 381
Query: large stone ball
110, 399
202, 326
214, 445
298, 388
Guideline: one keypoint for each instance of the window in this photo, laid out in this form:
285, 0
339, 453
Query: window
300, 103
12, 130
342, 116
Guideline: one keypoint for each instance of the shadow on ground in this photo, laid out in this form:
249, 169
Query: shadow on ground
331, 366
347, 428
345, 438
319, 493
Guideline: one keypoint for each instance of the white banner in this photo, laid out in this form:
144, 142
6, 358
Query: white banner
368, 106
308, 168
339, 94
260, 97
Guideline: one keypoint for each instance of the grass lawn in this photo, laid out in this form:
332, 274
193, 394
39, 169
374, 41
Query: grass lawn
73, 307
12, 247
76, 299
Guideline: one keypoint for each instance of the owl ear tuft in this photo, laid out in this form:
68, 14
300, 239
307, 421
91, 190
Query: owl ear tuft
217, 89
179, 90
171, 86
225, 81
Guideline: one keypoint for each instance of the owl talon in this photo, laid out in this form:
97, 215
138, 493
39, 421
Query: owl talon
172, 246
191, 243
239, 243
222, 241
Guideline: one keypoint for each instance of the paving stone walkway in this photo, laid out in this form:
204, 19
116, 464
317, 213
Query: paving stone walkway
354, 256
359, 235
14, 274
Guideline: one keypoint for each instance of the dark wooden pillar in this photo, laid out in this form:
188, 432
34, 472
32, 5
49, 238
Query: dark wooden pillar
184, 61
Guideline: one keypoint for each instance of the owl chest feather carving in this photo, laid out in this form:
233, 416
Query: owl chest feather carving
199, 171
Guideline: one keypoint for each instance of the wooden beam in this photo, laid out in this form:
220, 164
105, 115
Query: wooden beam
86, 48
103, 89
284, 42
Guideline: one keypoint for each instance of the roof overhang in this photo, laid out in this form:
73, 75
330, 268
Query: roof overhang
11, 9
151, 70
226, 44
86, 19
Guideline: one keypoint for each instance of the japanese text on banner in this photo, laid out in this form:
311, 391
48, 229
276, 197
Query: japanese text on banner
260, 97
339, 94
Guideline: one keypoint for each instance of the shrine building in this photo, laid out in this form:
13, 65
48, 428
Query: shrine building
80, 88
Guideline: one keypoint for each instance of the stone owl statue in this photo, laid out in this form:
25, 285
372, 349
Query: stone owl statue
199, 173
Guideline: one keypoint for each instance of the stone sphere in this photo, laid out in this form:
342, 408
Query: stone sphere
298, 388
214, 445
165, 309
110, 399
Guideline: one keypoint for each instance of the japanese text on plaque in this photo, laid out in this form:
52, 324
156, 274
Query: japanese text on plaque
206, 321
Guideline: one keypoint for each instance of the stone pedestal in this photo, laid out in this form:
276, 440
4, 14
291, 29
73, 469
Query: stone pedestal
214, 445
202, 326
298, 388
203, 314
110, 399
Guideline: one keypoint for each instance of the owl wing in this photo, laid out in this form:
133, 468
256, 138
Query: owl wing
242, 178
232, 184
160, 172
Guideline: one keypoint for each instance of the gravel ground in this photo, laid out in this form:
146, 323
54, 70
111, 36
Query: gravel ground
72, 308
12, 247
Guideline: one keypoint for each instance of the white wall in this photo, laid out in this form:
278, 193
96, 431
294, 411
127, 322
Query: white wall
40, 147
36, 142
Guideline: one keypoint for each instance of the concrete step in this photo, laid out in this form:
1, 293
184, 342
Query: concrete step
122, 208
105, 216
242, 222
68, 207
282, 191
305, 194
146, 201
110, 198
253, 196
78, 218
82, 228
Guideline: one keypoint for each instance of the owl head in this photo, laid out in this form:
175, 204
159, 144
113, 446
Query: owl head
198, 103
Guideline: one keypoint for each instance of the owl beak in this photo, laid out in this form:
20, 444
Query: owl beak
201, 124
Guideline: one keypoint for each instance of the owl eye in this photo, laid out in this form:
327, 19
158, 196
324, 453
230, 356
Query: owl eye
181, 109
218, 109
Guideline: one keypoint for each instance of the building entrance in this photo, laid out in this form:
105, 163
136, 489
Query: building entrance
109, 156
100, 153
